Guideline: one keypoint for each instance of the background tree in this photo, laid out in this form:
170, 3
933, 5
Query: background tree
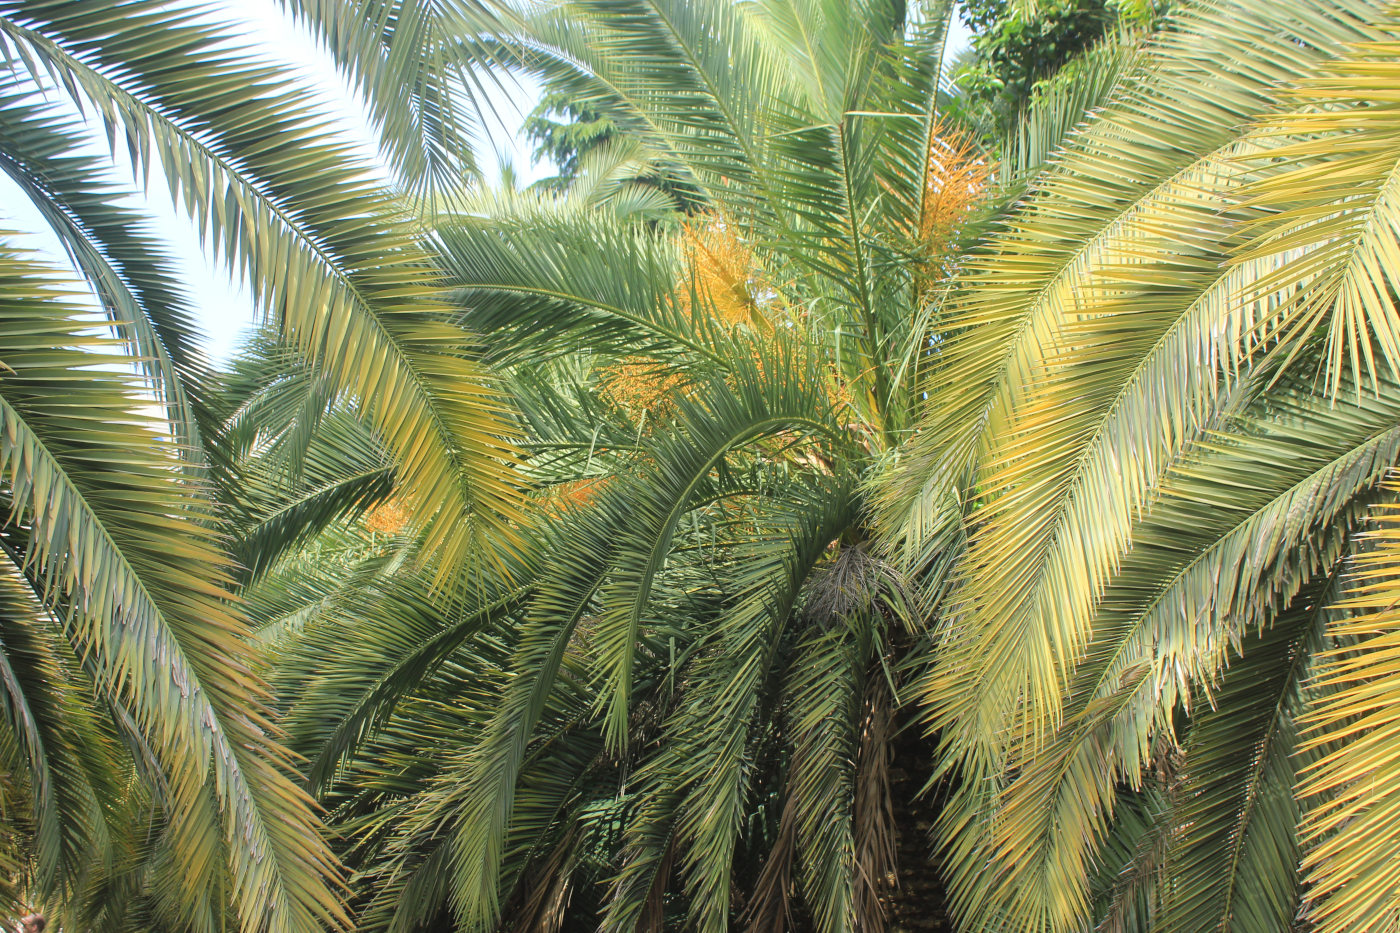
563, 129
1025, 56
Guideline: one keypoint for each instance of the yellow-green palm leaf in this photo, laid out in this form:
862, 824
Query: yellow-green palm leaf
1353, 791
115, 539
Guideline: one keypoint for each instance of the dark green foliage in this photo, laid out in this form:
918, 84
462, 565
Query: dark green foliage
562, 129
1018, 44
567, 129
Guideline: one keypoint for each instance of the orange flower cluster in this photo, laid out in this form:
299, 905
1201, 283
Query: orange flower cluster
955, 177
574, 494
388, 517
717, 286
719, 274
638, 385
723, 283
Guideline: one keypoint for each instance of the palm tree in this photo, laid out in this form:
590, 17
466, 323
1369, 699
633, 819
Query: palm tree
676, 704
132, 694
1164, 402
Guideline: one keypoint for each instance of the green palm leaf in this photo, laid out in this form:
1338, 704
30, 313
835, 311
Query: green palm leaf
1215, 557
702, 766
125, 265
332, 259
75, 768
1345, 245
418, 70
115, 544
1233, 865
1074, 368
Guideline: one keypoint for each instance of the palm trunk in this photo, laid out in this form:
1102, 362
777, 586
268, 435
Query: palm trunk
918, 904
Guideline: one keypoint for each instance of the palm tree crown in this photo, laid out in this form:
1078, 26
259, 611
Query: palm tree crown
702, 642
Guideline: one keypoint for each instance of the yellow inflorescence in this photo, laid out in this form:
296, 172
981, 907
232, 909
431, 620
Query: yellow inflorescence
388, 517
720, 274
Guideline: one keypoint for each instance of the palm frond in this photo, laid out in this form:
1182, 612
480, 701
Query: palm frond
1075, 370
583, 548
1215, 557
825, 702
332, 259
552, 277
111, 247
74, 765
1351, 791
1171, 120
1343, 128
117, 545
773, 396
702, 766
1233, 865
413, 62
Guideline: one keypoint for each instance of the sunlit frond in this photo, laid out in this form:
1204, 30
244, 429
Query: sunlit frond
332, 259
115, 542
1352, 791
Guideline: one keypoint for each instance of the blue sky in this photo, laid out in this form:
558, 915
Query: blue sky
224, 308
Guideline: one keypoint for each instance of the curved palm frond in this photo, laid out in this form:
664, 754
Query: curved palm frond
550, 278
1214, 558
420, 75
1088, 440
774, 394
1233, 864
697, 783
1103, 333
1342, 126
1350, 787
582, 549
73, 762
109, 245
115, 543
332, 259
